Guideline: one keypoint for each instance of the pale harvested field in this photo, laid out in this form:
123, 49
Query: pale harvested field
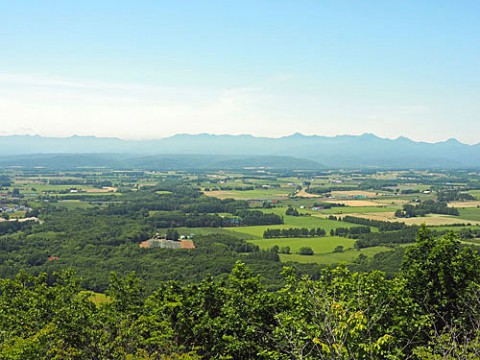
106, 189
430, 220
382, 216
354, 202
465, 204
303, 193
391, 201
220, 194
438, 220
351, 193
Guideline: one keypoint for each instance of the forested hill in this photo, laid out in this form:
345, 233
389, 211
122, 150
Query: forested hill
429, 312
157, 162
340, 151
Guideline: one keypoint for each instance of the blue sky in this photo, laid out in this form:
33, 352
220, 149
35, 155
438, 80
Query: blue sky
149, 69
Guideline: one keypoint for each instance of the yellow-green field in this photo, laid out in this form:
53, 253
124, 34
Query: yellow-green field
319, 245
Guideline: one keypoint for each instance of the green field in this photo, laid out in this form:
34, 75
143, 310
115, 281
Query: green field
47, 187
72, 204
469, 214
322, 246
319, 245
309, 222
475, 193
207, 231
452, 228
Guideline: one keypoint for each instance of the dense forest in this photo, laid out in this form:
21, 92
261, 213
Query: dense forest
97, 240
430, 311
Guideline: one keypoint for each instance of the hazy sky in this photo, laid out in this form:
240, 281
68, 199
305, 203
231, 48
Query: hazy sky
150, 69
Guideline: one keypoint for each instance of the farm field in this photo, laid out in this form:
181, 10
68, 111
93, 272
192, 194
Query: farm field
464, 204
72, 204
353, 203
186, 231
304, 194
320, 245
429, 220
378, 202
475, 193
107, 189
258, 194
453, 228
356, 193
470, 213
438, 219
305, 222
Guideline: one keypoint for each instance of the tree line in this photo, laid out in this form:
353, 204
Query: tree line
293, 233
426, 207
352, 232
380, 225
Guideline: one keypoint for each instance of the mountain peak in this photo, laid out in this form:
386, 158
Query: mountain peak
452, 141
369, 136
296, 135
403, 140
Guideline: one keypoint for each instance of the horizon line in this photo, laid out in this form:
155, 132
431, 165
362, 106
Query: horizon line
400, 137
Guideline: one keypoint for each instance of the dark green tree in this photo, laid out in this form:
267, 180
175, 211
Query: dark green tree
306, 251
439, 273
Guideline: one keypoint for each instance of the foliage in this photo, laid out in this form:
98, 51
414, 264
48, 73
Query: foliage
256, 217
352, 232
403, 236
341, 315
381, 225
426, 207
293, 233
453, 195
439, 273
291, 211
305, 251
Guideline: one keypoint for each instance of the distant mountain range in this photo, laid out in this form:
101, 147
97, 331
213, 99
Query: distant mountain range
229, 151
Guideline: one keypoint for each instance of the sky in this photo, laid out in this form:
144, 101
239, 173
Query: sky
151, 69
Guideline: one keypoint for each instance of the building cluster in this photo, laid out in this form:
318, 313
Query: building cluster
13, 209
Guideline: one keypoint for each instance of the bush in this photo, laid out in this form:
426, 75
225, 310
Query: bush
306, 251
338, 249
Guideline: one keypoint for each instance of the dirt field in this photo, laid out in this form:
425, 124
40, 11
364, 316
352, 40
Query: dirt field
354, 202
220, 194
352, 193
106, 189
303, 193
431, 220
382, 216
391, 201
438, 220
464, 204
